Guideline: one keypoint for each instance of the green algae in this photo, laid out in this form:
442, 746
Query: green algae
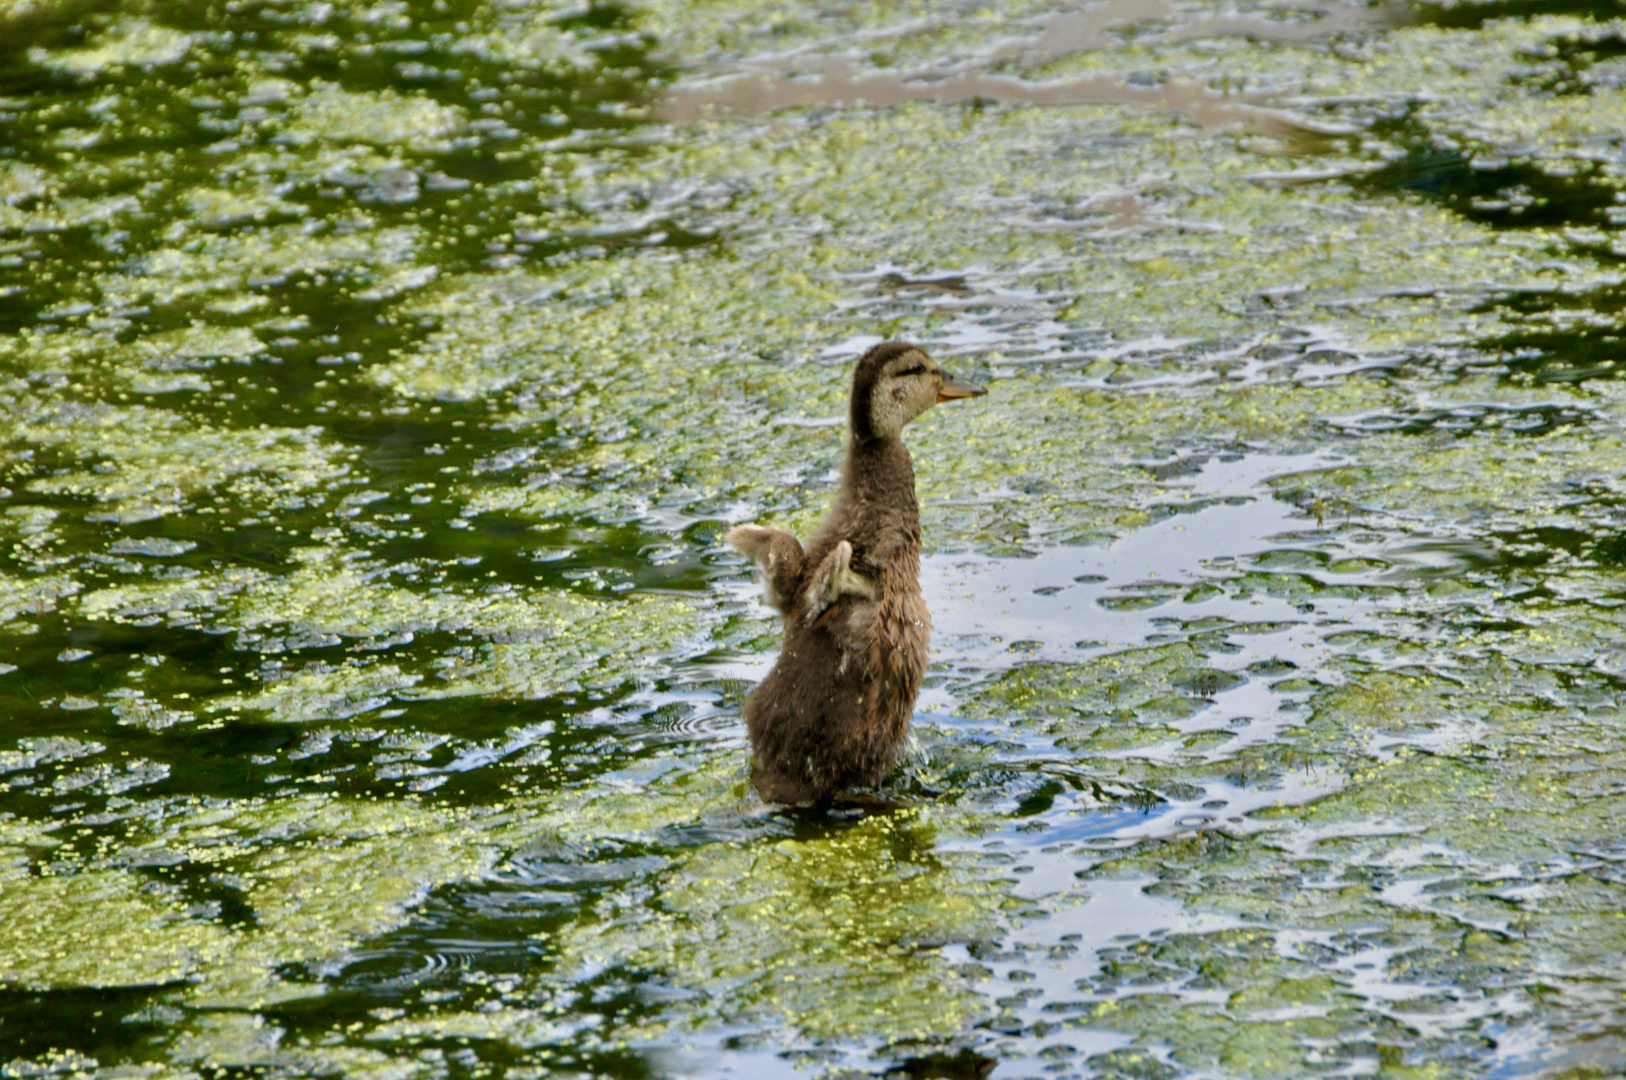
836, 936
376, 389
309, 895
153, 476
643, 317
332, 114
133, 42
140, 940
1105, 696
23, 597
519, 1028
536, 644
235, 1040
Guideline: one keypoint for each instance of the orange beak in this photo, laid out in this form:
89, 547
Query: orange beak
953, 389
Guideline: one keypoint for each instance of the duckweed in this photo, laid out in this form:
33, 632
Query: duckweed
377, 381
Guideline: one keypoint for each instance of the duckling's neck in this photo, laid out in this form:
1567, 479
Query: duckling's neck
880, 475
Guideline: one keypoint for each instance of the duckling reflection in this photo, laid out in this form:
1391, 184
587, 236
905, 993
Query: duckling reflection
834, 711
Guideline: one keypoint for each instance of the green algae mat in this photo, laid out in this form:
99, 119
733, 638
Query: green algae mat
377, 379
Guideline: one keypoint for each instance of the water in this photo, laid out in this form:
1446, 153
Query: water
378, 381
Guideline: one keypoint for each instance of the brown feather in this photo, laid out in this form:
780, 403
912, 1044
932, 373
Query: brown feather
834, 712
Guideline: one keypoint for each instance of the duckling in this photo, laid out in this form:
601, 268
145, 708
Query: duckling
834, 711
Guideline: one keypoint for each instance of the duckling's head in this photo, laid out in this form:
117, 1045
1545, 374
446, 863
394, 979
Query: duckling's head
894, 383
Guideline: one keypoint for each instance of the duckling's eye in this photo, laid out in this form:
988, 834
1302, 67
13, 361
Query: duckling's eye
918, 369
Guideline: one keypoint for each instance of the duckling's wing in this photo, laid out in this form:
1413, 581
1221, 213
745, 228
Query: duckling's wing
832, 579
780, 556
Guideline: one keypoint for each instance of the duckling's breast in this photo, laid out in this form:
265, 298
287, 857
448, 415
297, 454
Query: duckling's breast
900, 632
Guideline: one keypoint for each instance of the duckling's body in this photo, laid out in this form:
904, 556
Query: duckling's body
834, 711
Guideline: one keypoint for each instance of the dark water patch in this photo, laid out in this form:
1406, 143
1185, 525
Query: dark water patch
1602, 300
171, 660
494, 928
467, 750
34, 1023
493, 547
963, 1064
249, 759
1610, 550
16, 306
1564, 66
1530, 549
1560, 336
476, 751
437, 543
1178, 468
447, 988
1474, 14
47, 25
1040, 799
212, 896
1526, 549
566, 1022
136, 765
1511, 194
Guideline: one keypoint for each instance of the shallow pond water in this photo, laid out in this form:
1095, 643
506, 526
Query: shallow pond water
377, 380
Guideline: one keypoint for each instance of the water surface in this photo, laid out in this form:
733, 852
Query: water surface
377, 381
